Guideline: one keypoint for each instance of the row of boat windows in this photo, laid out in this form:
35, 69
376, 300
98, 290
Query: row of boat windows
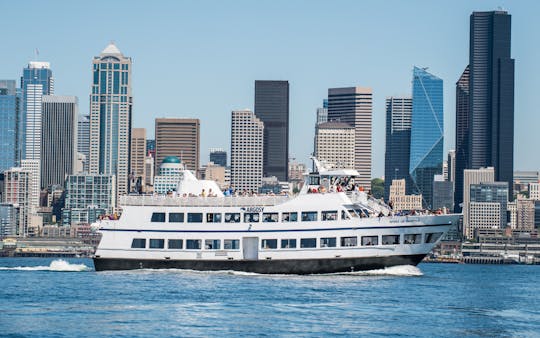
254, 217
290, 243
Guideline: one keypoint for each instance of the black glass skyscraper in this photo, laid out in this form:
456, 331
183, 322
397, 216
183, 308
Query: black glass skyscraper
462, 135
490, 117
272, 107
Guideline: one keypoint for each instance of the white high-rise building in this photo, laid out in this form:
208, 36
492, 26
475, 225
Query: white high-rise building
473, 176
334, 144
83, 140
247, 143
110, 116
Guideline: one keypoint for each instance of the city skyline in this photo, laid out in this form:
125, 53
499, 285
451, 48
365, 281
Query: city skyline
235, 77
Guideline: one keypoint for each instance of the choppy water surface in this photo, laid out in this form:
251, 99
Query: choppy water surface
46, 297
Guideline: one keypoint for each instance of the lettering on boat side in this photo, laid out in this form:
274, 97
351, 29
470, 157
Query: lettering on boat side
252, 209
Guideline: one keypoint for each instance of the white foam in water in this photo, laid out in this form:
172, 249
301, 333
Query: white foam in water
400, 270
56, 265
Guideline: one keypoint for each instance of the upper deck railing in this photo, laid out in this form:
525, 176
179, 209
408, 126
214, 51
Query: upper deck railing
229, 201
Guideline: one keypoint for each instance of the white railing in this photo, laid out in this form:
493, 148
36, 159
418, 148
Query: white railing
242, 201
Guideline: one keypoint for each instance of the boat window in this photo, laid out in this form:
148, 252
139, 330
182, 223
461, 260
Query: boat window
289, 217
138, 243
175, 244
353, 213
413, 239
349, 241
176, 217
288, 243
433, 237
344, 215
193, 244
328, 242
212, 244
308, 243
390, 239
269, 244
157, 243
213, 217
370, 240
252, 217
270, 217
329, 215
231, 244
194, 217
309, 216
158, 217
232, 217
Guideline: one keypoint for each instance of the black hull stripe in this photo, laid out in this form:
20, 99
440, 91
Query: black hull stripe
276, 230
291, 266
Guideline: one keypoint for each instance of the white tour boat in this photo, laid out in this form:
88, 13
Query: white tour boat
340, 230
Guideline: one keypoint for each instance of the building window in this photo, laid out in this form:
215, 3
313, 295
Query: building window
328, 242
231, 244
288, 243
413, 239
308, 243
309, 216
175, 244
269, 244
390, 239
349, 241
193, 244
329, 215
289, 217
212, 244
157, 243
138, 243
213, 217
370, 240
251, 217
232, 217
433, 237
158, 217
176, 217
270, 217
194, 217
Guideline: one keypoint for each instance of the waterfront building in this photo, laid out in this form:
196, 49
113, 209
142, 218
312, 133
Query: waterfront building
178, 137
33, 167
138, 159
247, 145
169, 175
17, 191
451, 167
334, 144
398, 142
485, 198
462, 136
9, 217
399, 200
110, 116
443, 193
354, 105
427, 133
149, 171
218, 156
525, 214
9, 128
470, 177
87, 197
522, 179
59, 139
83, 140
272, 108
537, 214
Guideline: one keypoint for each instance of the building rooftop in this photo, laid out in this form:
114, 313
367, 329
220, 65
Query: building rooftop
334, 125
111, 49
171, 159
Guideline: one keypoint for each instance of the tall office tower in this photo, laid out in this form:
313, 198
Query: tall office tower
110, 116
353, 105
470, 177
334, 144
87, 197
443, 193
398, 142
83, 139
138, 159
180, 138
322, 115
491, 99
451, 166
462, 136
218, 156
17, 192
59, 139
427, 133
9, 115
33, 168
247, 145
487, 206
272, 108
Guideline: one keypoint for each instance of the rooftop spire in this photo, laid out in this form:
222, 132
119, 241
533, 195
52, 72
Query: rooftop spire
111, 49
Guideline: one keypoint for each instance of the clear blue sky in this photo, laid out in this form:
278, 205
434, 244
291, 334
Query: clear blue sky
201, 58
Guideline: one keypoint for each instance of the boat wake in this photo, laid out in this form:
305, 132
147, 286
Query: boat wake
56, 265
399, 270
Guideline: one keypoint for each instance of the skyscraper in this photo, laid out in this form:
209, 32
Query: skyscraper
427, 133
247, 145
180, 138
59, 139
9, 127
17, 192
334, 144
138, 158
470, 177
83, 139
110, 116
272, 108
353, 105
398, 142
451, 160
218, 156
491, 99
462, 136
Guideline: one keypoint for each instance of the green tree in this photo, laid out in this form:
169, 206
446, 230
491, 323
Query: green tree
377, 187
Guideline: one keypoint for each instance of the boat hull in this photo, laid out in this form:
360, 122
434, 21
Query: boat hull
288, 266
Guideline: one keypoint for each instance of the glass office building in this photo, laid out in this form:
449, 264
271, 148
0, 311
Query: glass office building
9, 115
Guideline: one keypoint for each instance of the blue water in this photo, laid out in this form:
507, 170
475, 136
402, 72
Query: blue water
39, 298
